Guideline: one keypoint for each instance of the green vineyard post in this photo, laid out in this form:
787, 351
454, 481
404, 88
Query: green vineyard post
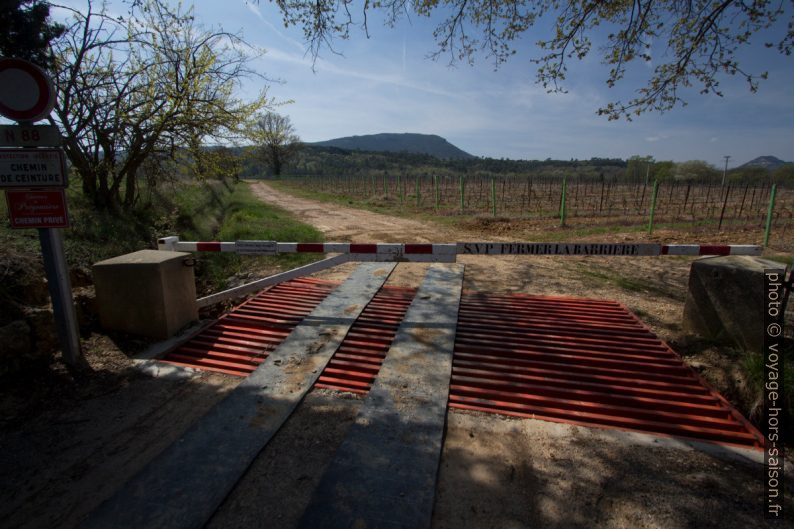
462, 190
493, 196
435, 186
769, 214
724, 205
400, 189
418, 196
653, 205
385, 190
562, 201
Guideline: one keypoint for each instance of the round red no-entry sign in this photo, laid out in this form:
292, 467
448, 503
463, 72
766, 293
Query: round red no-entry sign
26, 92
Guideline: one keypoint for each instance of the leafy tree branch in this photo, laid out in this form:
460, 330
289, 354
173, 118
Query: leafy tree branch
702, 38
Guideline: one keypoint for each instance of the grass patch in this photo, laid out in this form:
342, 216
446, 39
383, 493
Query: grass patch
203, 211
753, 368
93, 234
604, 277
785, 259
245, 217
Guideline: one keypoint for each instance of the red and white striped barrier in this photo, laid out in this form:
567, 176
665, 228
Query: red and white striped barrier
448, 252
418, 252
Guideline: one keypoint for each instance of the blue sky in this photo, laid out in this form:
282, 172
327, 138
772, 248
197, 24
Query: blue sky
386, 84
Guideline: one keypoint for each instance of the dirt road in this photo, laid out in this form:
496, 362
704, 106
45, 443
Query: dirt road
656, 286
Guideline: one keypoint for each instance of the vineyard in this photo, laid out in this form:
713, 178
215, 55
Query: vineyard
563, 200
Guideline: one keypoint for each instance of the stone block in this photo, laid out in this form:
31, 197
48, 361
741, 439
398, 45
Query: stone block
725, 301
149, 293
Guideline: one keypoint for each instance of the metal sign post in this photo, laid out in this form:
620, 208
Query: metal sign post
38, 177
60, 288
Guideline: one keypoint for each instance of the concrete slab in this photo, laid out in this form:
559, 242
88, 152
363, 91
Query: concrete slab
726, 298
384, 473
182, 487
149, 293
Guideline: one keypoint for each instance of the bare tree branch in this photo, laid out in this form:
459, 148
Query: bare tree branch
143, 90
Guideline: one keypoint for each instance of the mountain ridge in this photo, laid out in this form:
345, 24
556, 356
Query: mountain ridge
410, 142
767, 162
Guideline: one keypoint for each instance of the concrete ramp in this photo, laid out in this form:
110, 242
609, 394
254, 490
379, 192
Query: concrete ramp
384, 473
184, 485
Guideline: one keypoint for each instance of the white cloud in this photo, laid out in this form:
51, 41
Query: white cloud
256, 11
323, 66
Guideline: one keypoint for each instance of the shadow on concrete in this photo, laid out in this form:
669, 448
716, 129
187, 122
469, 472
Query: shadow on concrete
495, 472
87, 437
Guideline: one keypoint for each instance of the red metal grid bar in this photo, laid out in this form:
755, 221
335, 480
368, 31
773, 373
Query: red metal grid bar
582, 361
570, 360
573, 360
357, 361
242, 339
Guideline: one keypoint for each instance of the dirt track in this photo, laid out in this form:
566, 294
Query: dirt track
495, 472
664, 278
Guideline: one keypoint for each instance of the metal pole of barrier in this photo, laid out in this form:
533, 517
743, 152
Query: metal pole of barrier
769, 214
562, 201
259, 284
493, 196
653, 205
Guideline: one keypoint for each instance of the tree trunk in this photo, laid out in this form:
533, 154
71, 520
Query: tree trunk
130, 191
275, 160
89, 183
105, 197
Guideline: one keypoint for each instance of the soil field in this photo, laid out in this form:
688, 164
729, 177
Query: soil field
69, 443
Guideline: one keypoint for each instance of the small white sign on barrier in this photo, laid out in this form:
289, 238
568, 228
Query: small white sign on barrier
256, 247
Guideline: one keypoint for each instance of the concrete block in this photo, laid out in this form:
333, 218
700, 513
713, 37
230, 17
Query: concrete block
725, 301
150, 293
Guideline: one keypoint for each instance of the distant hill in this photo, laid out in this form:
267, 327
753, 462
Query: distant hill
766, 162
407, 142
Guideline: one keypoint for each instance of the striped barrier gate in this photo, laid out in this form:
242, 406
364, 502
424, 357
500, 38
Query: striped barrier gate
433, 252
427, 253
